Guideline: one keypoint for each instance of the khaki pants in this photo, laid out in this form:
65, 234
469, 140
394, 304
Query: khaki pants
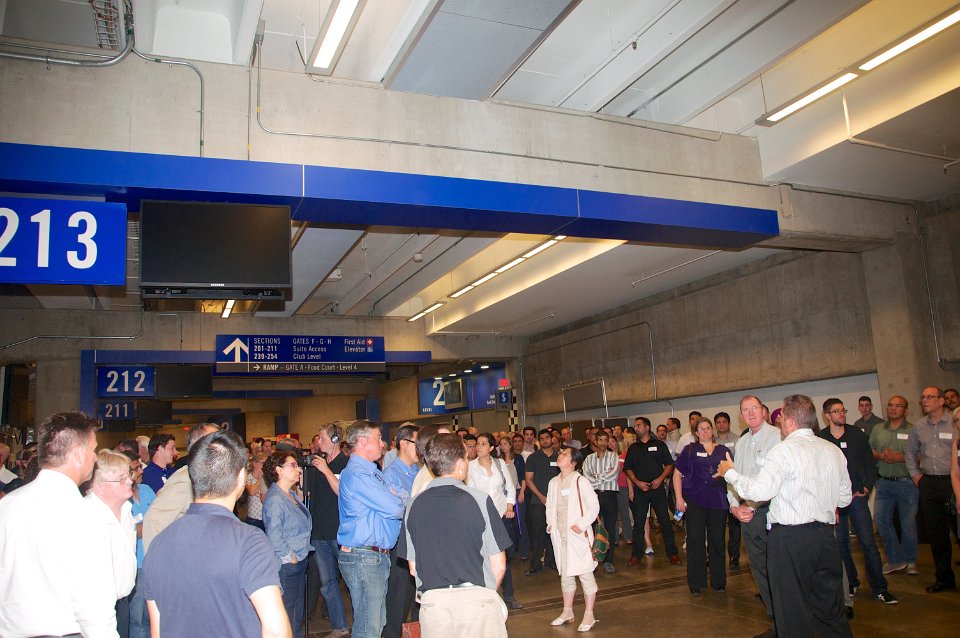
475, 612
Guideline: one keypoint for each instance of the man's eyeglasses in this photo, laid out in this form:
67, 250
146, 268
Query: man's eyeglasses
838, 411
123, 479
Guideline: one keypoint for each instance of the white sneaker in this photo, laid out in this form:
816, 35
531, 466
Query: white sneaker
889, 568
649, 550
912, 569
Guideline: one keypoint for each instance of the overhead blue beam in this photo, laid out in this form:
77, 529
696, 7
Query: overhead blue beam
329, 195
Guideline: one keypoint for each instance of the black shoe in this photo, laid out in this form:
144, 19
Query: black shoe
938, 586
854, 589
849, 612
770, 633
533, 571
734, 563
695, 591
512, 603
720, 588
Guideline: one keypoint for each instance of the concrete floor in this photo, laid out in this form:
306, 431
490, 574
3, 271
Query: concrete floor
653, 600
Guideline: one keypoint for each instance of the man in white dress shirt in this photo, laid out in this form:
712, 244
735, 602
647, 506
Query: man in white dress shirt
805, 479
55, 562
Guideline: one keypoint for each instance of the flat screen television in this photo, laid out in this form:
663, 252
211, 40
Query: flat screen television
454, 394
202, 250
151, 411
184, 381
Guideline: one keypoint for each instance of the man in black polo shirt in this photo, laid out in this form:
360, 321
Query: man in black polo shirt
233, 584
540, 468
321, 485
647, 465
458, 564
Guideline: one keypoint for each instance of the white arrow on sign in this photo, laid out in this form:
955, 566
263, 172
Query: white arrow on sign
236, 346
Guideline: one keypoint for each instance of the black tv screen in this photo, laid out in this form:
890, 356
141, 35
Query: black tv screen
214, 245
150, 411
184, 381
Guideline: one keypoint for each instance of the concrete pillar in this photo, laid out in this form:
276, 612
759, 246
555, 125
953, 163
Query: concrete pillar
900, 321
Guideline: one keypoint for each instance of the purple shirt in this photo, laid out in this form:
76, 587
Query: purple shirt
698, 468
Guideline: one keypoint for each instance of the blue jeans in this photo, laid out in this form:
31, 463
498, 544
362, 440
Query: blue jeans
857, 515
325, 553
293, 582
366, 573
905, 496
139, 621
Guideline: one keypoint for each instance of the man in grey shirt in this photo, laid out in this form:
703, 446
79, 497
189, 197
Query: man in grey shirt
867, 419
930, 441
752, 449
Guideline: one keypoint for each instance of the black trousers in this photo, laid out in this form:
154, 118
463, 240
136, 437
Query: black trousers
733, 538
806, 581
537, 528
705, 526
935, 496
641, 502
401, 590
608, 514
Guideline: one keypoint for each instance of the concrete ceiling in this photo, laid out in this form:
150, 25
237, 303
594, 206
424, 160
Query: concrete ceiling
709, 64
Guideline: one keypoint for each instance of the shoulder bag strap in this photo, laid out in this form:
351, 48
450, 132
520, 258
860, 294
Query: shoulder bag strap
496, 464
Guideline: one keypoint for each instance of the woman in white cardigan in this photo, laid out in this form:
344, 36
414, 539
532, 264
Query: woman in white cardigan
572, 506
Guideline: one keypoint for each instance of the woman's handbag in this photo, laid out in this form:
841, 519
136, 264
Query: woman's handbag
601, 541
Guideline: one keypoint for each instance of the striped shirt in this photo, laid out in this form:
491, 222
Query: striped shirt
602, 472
752, 449
804, 478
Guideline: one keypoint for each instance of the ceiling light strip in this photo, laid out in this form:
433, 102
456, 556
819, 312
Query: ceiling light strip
939, 24
425, 311
335, 31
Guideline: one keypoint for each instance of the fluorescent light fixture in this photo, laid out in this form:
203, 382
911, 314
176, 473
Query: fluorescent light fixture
811, 97
452, 374
228, 308
462, 291
507, 266
912, 41
425, 311
438, 378
539, 249
467, 371
484, 367
560, 237
337, 26
484, 279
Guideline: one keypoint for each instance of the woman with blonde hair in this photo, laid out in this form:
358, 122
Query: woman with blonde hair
703, 498
572, 506
109, 496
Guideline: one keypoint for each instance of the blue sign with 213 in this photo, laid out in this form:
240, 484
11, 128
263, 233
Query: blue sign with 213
62, 241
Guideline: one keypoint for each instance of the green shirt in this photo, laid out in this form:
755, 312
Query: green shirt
884, 437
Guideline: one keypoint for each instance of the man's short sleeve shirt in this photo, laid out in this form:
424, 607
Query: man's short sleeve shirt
647, 460
228, 561
544, 468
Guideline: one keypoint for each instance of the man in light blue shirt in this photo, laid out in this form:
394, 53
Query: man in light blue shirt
370, 515
400, 585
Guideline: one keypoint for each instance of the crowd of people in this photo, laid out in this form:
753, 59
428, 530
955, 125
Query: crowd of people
140, 541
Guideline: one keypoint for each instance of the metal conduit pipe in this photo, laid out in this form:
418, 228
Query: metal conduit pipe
172, 62
945, 364
49, 59
79, 337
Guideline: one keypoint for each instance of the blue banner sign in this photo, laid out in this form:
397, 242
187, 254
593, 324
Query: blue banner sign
481, 387
296, 355
121, 409
125, 381
59, 241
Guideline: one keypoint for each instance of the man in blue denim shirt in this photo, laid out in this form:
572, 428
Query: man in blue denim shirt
370, 514
400, 586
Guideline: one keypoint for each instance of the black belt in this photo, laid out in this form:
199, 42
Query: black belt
811, 525
893, 478
369, 548
939, 477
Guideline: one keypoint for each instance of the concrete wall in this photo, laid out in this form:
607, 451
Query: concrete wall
786, 319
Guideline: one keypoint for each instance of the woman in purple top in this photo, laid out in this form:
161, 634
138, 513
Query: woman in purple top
703, 499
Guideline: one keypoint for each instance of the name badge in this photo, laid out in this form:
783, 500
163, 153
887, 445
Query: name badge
703, 454
946, 435
338, 476
553, 464
138, 519
652, 448
565, 492
621, 461
903, 437
843, 444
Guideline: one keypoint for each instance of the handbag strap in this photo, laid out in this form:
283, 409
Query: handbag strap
580, 500
496, 464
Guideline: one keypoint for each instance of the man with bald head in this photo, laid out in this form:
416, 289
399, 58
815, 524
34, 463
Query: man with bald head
895, 489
